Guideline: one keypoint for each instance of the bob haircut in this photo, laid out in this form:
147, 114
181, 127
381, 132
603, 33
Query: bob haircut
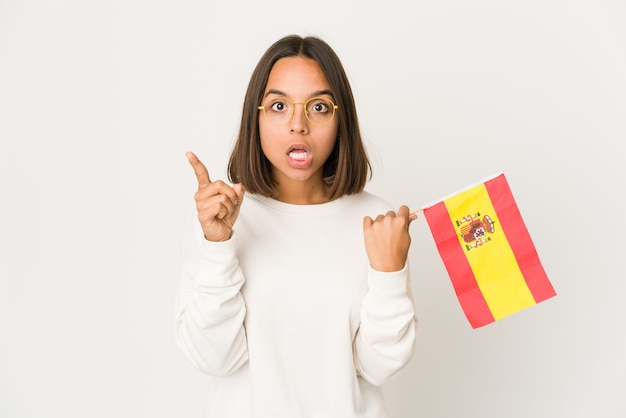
347, 168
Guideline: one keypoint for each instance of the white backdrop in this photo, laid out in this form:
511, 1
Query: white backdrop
99, 101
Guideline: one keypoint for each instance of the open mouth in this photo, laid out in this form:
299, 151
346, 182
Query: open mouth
299, 156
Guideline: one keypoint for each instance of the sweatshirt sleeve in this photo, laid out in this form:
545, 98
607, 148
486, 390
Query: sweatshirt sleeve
209, 309
385, 341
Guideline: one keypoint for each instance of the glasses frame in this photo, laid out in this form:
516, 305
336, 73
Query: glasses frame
304, 106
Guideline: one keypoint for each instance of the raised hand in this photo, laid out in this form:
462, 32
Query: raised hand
387, 239
217, 203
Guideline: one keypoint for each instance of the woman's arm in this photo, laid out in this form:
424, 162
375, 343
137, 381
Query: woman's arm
210, 309
385, 341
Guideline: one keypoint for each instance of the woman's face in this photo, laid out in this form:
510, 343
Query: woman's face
298, 148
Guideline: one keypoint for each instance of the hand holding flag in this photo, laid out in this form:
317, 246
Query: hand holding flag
387, 239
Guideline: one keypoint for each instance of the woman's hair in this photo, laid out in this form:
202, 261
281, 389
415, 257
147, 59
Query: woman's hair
347, 168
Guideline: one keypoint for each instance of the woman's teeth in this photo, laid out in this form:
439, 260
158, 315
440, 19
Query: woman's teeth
298, 155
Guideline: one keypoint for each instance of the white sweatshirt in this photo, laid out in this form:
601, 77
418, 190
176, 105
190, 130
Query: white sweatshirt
287, 317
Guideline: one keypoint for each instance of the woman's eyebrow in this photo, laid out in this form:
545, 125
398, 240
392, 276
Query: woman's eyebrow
276, 92
323, 93
314, 94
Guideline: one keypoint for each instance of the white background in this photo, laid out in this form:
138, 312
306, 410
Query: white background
99, 100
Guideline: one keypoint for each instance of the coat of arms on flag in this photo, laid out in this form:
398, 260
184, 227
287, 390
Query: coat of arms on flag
488, 252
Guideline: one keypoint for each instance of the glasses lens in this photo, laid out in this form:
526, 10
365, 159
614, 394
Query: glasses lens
320, 110
278, 111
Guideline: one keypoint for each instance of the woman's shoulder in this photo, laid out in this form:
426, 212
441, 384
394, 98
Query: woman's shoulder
372, 202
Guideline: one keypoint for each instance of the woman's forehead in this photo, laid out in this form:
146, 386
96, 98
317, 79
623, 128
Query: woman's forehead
297, 78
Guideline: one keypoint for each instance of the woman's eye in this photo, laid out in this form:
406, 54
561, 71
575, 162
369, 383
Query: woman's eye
320, 107
278, 106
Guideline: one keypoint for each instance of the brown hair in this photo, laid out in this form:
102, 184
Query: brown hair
347, 168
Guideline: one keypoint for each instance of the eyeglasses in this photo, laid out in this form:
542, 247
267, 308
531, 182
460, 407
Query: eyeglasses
318, 110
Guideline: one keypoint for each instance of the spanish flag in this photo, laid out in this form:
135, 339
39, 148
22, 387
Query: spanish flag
487, 251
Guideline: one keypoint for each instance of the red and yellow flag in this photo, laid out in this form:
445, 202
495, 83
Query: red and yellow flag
487, 251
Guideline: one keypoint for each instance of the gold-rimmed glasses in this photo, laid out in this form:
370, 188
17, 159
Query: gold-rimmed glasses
318, 110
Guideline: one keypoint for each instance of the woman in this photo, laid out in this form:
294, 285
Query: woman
293, 299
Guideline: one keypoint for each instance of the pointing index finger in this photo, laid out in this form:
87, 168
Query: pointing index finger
202, 174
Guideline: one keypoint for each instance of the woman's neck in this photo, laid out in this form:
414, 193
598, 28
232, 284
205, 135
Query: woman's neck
302, 193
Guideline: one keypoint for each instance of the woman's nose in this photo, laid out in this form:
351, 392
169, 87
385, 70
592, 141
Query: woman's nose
299, 121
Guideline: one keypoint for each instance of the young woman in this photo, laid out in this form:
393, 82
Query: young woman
293, 299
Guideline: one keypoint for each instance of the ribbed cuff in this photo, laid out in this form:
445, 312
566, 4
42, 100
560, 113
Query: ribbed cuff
389, 284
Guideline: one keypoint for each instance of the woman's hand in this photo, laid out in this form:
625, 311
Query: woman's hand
217, 203
387, 239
